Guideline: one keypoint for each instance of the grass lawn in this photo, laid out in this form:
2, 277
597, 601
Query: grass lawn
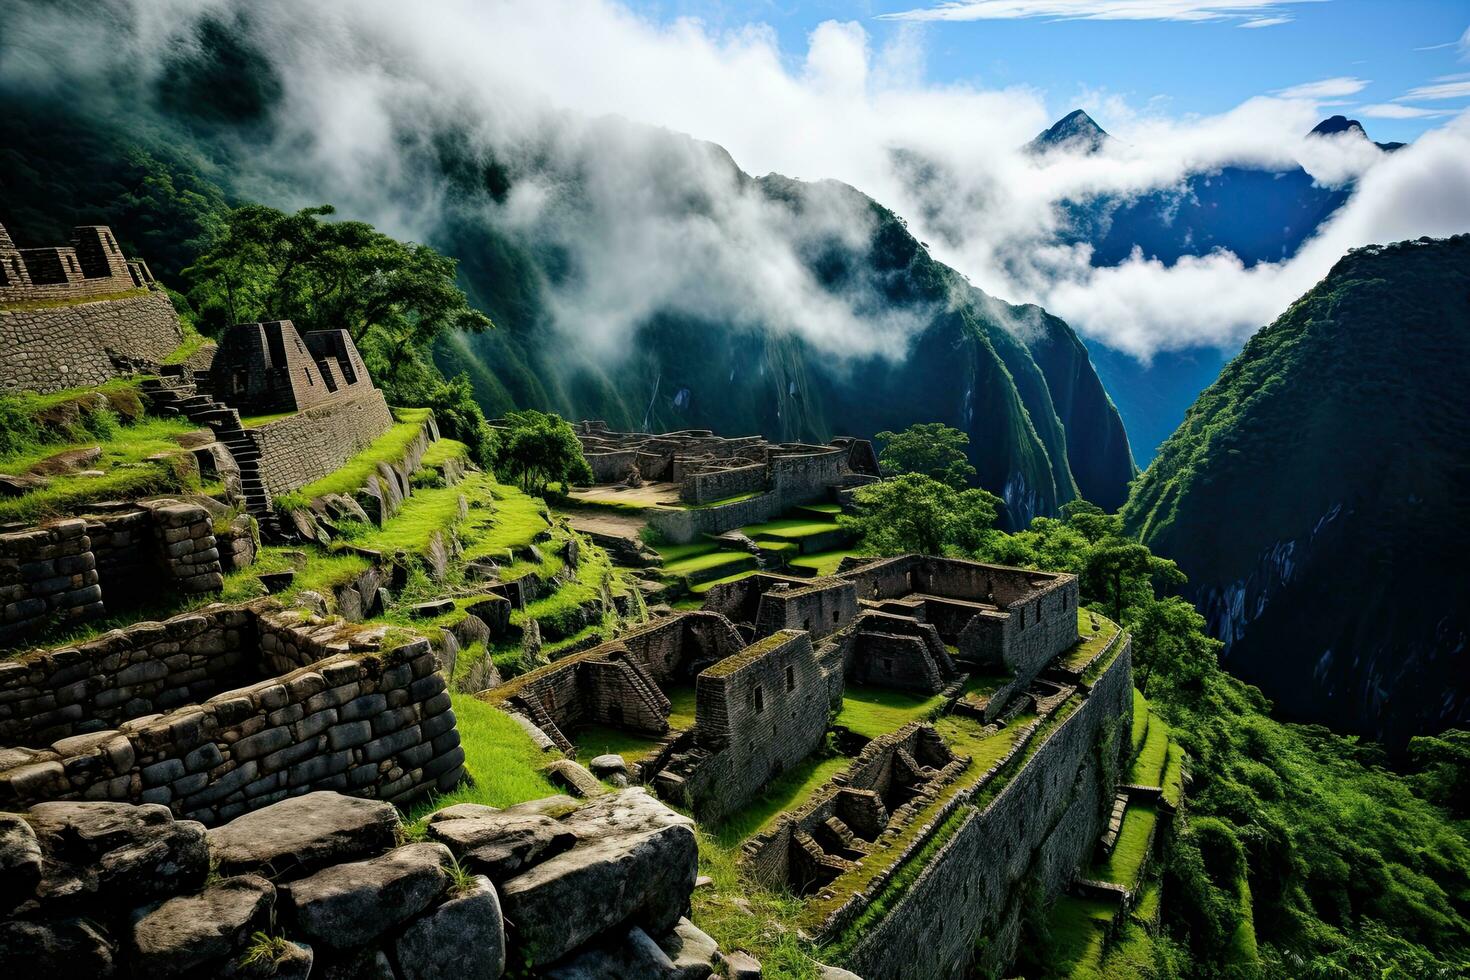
425, 511
707, 562
126, 467
512, 519
787, 792
1078, 930
503, 763
256, 421
319, 573
443, 451
677, 552
1092, 641
825, 562
1122, 867
789, 528
734, 499
681, 712
831, 510
874, 711
1140, 721
1148, 767
594, 740
966, 736
387, 448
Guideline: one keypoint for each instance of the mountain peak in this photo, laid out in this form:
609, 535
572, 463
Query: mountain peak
1333, 125
1076, 131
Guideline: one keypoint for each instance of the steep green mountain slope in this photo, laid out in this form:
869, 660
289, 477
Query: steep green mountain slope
1315, 497
934, 348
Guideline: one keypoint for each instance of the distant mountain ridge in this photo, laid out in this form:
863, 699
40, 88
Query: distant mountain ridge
1315, 497
1075, 132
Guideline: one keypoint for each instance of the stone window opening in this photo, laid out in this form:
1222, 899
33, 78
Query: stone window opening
806, 624
615, 714
4, 277
888, 665
758, 699
835, 614
790, 678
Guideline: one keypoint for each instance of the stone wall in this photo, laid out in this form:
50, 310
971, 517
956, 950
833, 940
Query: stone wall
50, 696
1041, 825
757, 714
819, 608
72, 569
681, 525
701, 488
305, 447
68, 346
369, 724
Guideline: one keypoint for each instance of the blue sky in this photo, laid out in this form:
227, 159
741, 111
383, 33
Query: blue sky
1173, 62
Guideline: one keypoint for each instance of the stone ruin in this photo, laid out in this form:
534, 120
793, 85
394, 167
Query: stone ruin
706, 469
270, 368
78, 314
770, 657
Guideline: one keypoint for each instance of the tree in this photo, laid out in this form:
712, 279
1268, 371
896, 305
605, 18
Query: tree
1443, 761
394, 297
932, 449
540, 449
913, 512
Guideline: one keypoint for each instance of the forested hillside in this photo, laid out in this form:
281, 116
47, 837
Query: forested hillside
1314, 496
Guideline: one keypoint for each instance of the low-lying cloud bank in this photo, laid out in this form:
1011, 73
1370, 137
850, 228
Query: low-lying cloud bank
366, 86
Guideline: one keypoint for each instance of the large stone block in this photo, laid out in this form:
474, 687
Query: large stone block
304, 834
463, 939
183, 934
351, 905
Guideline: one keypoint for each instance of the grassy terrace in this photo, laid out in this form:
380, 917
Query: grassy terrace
137, 460
1124, 865
1079, 928
61, 303
695, 564
789, 528
387, 448
1093, 640
824, 562
426, 511
1148, 766
874, 711
723, 501
443, 451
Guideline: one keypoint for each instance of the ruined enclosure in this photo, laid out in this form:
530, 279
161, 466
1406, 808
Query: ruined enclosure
218, 712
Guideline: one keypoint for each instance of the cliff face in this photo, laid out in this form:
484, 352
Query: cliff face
1314, 495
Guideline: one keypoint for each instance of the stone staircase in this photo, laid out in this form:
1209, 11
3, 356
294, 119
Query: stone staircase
178, 394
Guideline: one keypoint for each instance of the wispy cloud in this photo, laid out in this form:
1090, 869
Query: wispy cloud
1252, 13
1326, 88
1394, 110
1445, 87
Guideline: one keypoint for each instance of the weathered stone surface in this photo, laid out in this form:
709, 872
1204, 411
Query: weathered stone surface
350, 905
501, 844
462, 939
20, 861
632, 864
631, 956
294, 963
116, 853
836, 973
607, 765
176, 937
460, 811
693, 953
740, 965
303, 834
53, 949
573, 778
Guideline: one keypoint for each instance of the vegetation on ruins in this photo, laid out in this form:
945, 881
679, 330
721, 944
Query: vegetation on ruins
913, 512
539, 449
933, 449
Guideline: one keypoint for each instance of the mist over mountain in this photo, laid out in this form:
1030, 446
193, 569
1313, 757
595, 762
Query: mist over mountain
1314, 497
637, 275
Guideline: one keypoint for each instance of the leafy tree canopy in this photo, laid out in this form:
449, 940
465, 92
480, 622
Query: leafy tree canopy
932, 449
539, 449
913, 512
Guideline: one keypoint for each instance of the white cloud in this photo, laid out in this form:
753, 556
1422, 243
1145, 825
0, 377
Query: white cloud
1439, 90
657, 222
1327, 88
1395, 110
1261, 13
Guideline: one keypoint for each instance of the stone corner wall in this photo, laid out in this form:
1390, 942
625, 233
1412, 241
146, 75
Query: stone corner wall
70, 346
309, 445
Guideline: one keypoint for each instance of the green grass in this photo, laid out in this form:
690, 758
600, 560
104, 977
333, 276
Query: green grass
61, 303
426, 511
825, 562
33, 403
1173, 783
705, 562
319, 573
1091, 642
677, 552
874, 711
1148, 767
681, 710
704, 587
502, 762
1078, 928
387, 448
443, 451
789, 528
1140, 722
594, 740
193, 340
829, 509
511, 519
723, 501
128, 471
1125, 863
786, 792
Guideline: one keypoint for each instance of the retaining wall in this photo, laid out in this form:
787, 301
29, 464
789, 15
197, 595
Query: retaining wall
68, 346
369, 724
307, 446
700, 488
1041, 824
